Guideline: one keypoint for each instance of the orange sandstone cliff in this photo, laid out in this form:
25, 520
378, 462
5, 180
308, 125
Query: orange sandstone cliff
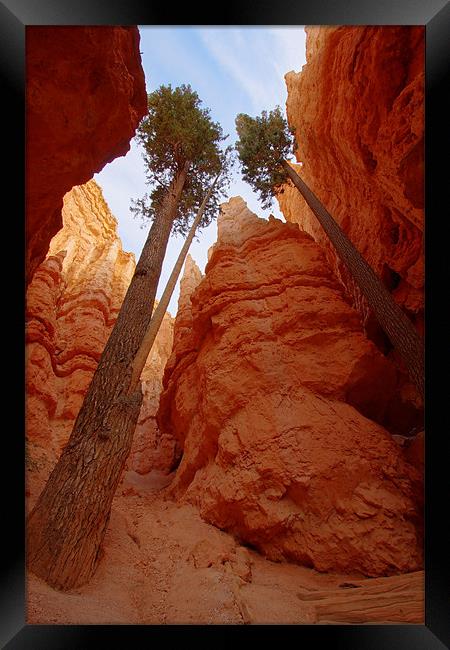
357, 108
72, 304
85, 96
273, 392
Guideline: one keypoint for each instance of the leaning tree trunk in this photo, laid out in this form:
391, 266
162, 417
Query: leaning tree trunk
158, 314
401, 332
66, 527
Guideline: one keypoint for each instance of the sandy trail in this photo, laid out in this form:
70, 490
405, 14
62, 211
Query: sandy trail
163, 564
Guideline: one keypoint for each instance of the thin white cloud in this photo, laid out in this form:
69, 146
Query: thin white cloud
240, 56
257, 59
289, 44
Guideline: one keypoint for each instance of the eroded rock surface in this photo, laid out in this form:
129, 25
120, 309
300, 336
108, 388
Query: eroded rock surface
72, 305
85, 97
358, 110
273, 392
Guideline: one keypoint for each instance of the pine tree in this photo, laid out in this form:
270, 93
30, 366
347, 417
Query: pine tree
160, 310
263, 146
65, 529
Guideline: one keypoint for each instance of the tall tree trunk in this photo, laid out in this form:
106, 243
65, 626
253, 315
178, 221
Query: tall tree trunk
401, 332
66, 527
158, 314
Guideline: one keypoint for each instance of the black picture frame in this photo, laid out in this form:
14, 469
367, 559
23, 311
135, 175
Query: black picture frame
15, 15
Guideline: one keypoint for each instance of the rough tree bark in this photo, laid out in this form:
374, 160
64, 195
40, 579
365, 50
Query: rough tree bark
401, 332
66, 527
158, 314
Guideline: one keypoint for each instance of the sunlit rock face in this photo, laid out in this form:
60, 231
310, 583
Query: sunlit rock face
357, 107
72, 304
85, 96
273, 393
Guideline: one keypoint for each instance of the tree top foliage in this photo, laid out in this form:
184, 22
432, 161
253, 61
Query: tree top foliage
263, 143
177, 130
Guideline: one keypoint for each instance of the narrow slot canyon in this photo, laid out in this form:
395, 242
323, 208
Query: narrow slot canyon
276, 470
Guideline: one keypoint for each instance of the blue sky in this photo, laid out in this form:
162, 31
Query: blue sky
233, 70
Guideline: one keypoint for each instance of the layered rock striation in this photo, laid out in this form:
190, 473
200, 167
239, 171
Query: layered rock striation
273, 393
85, 97
357, 108
72, 304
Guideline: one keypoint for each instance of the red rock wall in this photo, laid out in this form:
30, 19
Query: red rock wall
272, 392
85, 95
358, 110
72, 304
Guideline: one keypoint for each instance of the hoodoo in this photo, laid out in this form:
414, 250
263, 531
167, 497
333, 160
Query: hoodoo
72, 304
274, 393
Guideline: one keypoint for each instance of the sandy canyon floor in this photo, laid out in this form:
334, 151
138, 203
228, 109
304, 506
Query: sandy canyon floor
163, 564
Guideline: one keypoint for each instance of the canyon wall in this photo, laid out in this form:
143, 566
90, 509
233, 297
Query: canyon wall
85, 96
357, 108
72, 304
276, 398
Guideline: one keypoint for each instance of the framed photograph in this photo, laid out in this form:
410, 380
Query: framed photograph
234, 333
